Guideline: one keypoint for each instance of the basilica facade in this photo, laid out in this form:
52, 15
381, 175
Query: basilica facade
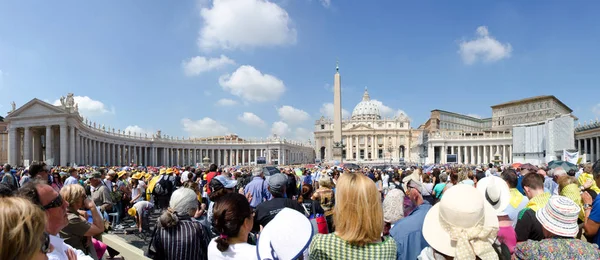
368, 137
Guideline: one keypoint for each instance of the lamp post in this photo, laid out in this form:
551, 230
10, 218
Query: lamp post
390, 150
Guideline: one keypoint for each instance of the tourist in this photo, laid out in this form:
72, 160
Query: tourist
79, 232
39, 170
163, 188
258, 187
496, 192
393, 209
517, 201
407, 232
528, 227
568, 186
326, 197
287, 236
138, 211
100, 193
378, 182
232, 221
555, 174
358, 222
219, 185
454, 228
453, 180
588, 176
22, 230
212, 172
136, 189
177, 236
311, 206
559, 223
591, 208
44, 196
427, 190
73, 177
291, 189
56, 184
267, 210
6, 176
438, 189
110, 179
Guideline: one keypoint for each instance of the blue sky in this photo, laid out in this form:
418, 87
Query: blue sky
168, 64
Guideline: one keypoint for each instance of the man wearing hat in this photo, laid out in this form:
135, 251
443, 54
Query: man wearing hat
100, 193
407, 232
138, 210
267, 210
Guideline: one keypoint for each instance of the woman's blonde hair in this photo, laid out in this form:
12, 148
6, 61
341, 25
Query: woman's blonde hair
326, 182
358, 216
22, 226
72, 193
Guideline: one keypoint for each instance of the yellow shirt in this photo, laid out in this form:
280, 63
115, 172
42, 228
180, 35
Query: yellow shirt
538, 201
583, 177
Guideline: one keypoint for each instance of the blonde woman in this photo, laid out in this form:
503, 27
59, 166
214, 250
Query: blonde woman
78, 233
22, 234
358, 219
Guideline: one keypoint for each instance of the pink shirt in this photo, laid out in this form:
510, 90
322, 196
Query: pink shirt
508, 236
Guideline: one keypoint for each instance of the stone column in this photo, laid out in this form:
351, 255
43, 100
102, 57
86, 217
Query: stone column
48, 142
218, 151
592, 150
504, 159
72, 145
430, 153
27, 145
63, 145
12, 146
460, 160
479, 157
510, 159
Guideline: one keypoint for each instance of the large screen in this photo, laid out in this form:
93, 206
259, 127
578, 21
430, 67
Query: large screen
451, 158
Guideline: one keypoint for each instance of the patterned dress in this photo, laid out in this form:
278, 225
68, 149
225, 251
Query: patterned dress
557, 248
330, 247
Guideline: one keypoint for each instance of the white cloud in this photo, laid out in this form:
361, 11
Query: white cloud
207, 93
251, 119
327, 111
303, 134
197, 65
325, 3
233, 24
388, 111
483, 48
252, 85
280, 129
88, 106
292, 115
474, 115
226, 102
204, 127
596, 109
135, 129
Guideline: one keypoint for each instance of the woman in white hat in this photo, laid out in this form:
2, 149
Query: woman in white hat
461, 226
496, 192
559, 225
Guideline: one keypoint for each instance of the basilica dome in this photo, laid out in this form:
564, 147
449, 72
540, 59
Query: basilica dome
366, 109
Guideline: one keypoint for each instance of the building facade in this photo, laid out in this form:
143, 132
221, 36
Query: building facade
367, 137
587, 141
451, 137
58, 135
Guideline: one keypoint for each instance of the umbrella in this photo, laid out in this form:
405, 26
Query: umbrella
516, 165
567, 166
529, 166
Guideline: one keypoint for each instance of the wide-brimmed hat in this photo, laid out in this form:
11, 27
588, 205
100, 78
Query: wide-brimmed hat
462, 224
137, 176
496, 192
559, 216
275, 241
121, 173
132, 211
162, 171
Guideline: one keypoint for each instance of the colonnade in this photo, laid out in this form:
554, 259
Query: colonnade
470, 154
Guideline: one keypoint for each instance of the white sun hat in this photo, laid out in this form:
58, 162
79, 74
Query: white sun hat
559, 216
462, 224
496, 192
286, 237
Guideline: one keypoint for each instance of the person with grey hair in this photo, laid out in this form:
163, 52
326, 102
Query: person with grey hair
258, 188
551, 183
177, 236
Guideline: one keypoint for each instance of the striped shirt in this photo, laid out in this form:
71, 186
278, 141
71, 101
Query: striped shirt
186, 240
331, 246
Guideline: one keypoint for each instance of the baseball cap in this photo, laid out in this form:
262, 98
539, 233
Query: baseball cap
278, 181
96, 175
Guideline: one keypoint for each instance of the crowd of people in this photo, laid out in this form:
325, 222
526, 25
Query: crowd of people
304, 212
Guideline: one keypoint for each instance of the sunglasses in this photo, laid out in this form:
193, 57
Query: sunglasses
46, 243
55, 203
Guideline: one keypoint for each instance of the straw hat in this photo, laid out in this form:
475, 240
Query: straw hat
132, 211
162, 171
275, 241
462, 224
121, 173
170, 170
559, 216
137, 176
496, 192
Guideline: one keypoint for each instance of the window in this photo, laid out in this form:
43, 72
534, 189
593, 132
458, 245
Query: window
362, 154
322, 127
380, 153
401, 125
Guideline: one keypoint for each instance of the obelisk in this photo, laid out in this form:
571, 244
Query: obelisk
337, 115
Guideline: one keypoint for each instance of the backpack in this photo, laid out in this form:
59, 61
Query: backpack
163, 186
